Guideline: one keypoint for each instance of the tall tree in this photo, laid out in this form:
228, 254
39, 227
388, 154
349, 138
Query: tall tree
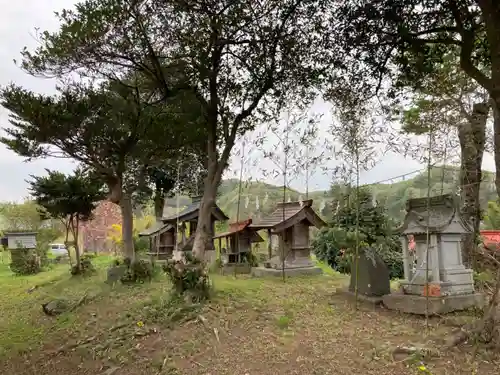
69, 198
112, 129
242, 60
452, 103
404, 40
20, 216
185, 173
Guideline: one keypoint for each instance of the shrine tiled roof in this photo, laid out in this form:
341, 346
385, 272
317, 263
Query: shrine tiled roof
239, 227
191, 212
154, 229
289, 213
439, 214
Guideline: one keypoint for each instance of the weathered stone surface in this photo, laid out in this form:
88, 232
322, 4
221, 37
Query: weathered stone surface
373, 275
412, 304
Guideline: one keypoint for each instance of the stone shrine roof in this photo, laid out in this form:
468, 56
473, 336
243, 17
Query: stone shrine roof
191, 212
444, 216
288, 214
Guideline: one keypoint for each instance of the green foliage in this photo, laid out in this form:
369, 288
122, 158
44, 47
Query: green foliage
20, 216
138, 271
329, 244
141, 244
336, 245
252, 259
25, 262
67, 197
86, 267
189, 278
491, 218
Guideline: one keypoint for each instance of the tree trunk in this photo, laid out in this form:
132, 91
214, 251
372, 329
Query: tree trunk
159, 201
118, 196
472, 136
77, 247
74, 232
127, 226
203, 229
215, 168
67, 225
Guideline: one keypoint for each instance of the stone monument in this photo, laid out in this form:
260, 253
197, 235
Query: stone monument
373, 277
437, 237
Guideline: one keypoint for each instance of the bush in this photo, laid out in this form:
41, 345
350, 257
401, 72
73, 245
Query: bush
86, 266
25, 262
329, 243
138, 271
141, 244
252, 259
189, 278
336, 245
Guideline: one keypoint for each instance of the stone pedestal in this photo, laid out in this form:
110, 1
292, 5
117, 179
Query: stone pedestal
231, 269
413, 304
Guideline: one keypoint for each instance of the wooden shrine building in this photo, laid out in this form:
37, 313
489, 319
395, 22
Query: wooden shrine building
188, 221
238, 246
165, 235
162, 239
289, 224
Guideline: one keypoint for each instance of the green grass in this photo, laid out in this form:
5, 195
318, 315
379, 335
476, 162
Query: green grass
22, 324
298, 327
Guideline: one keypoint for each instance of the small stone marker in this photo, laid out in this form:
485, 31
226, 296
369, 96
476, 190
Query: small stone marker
373, 275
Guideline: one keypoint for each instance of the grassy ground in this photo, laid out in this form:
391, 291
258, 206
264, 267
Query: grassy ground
252, 326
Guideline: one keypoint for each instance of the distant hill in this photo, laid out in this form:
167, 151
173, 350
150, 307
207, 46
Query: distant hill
392, 195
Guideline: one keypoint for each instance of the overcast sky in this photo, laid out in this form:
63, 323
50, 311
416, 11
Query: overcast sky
18, 21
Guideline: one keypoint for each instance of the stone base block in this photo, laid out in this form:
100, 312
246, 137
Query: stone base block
372, 300
231, 269
413, 304
289, 272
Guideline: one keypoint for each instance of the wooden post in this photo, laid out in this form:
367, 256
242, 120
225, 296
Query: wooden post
269, 244
183, 232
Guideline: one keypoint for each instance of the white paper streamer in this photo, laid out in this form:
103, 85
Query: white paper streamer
322, 205
257, 204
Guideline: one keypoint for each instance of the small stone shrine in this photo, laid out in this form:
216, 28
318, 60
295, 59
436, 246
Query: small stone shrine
450, 285
290, 223
238, 246
373, 277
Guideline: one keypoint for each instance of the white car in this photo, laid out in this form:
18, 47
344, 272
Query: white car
58, 249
